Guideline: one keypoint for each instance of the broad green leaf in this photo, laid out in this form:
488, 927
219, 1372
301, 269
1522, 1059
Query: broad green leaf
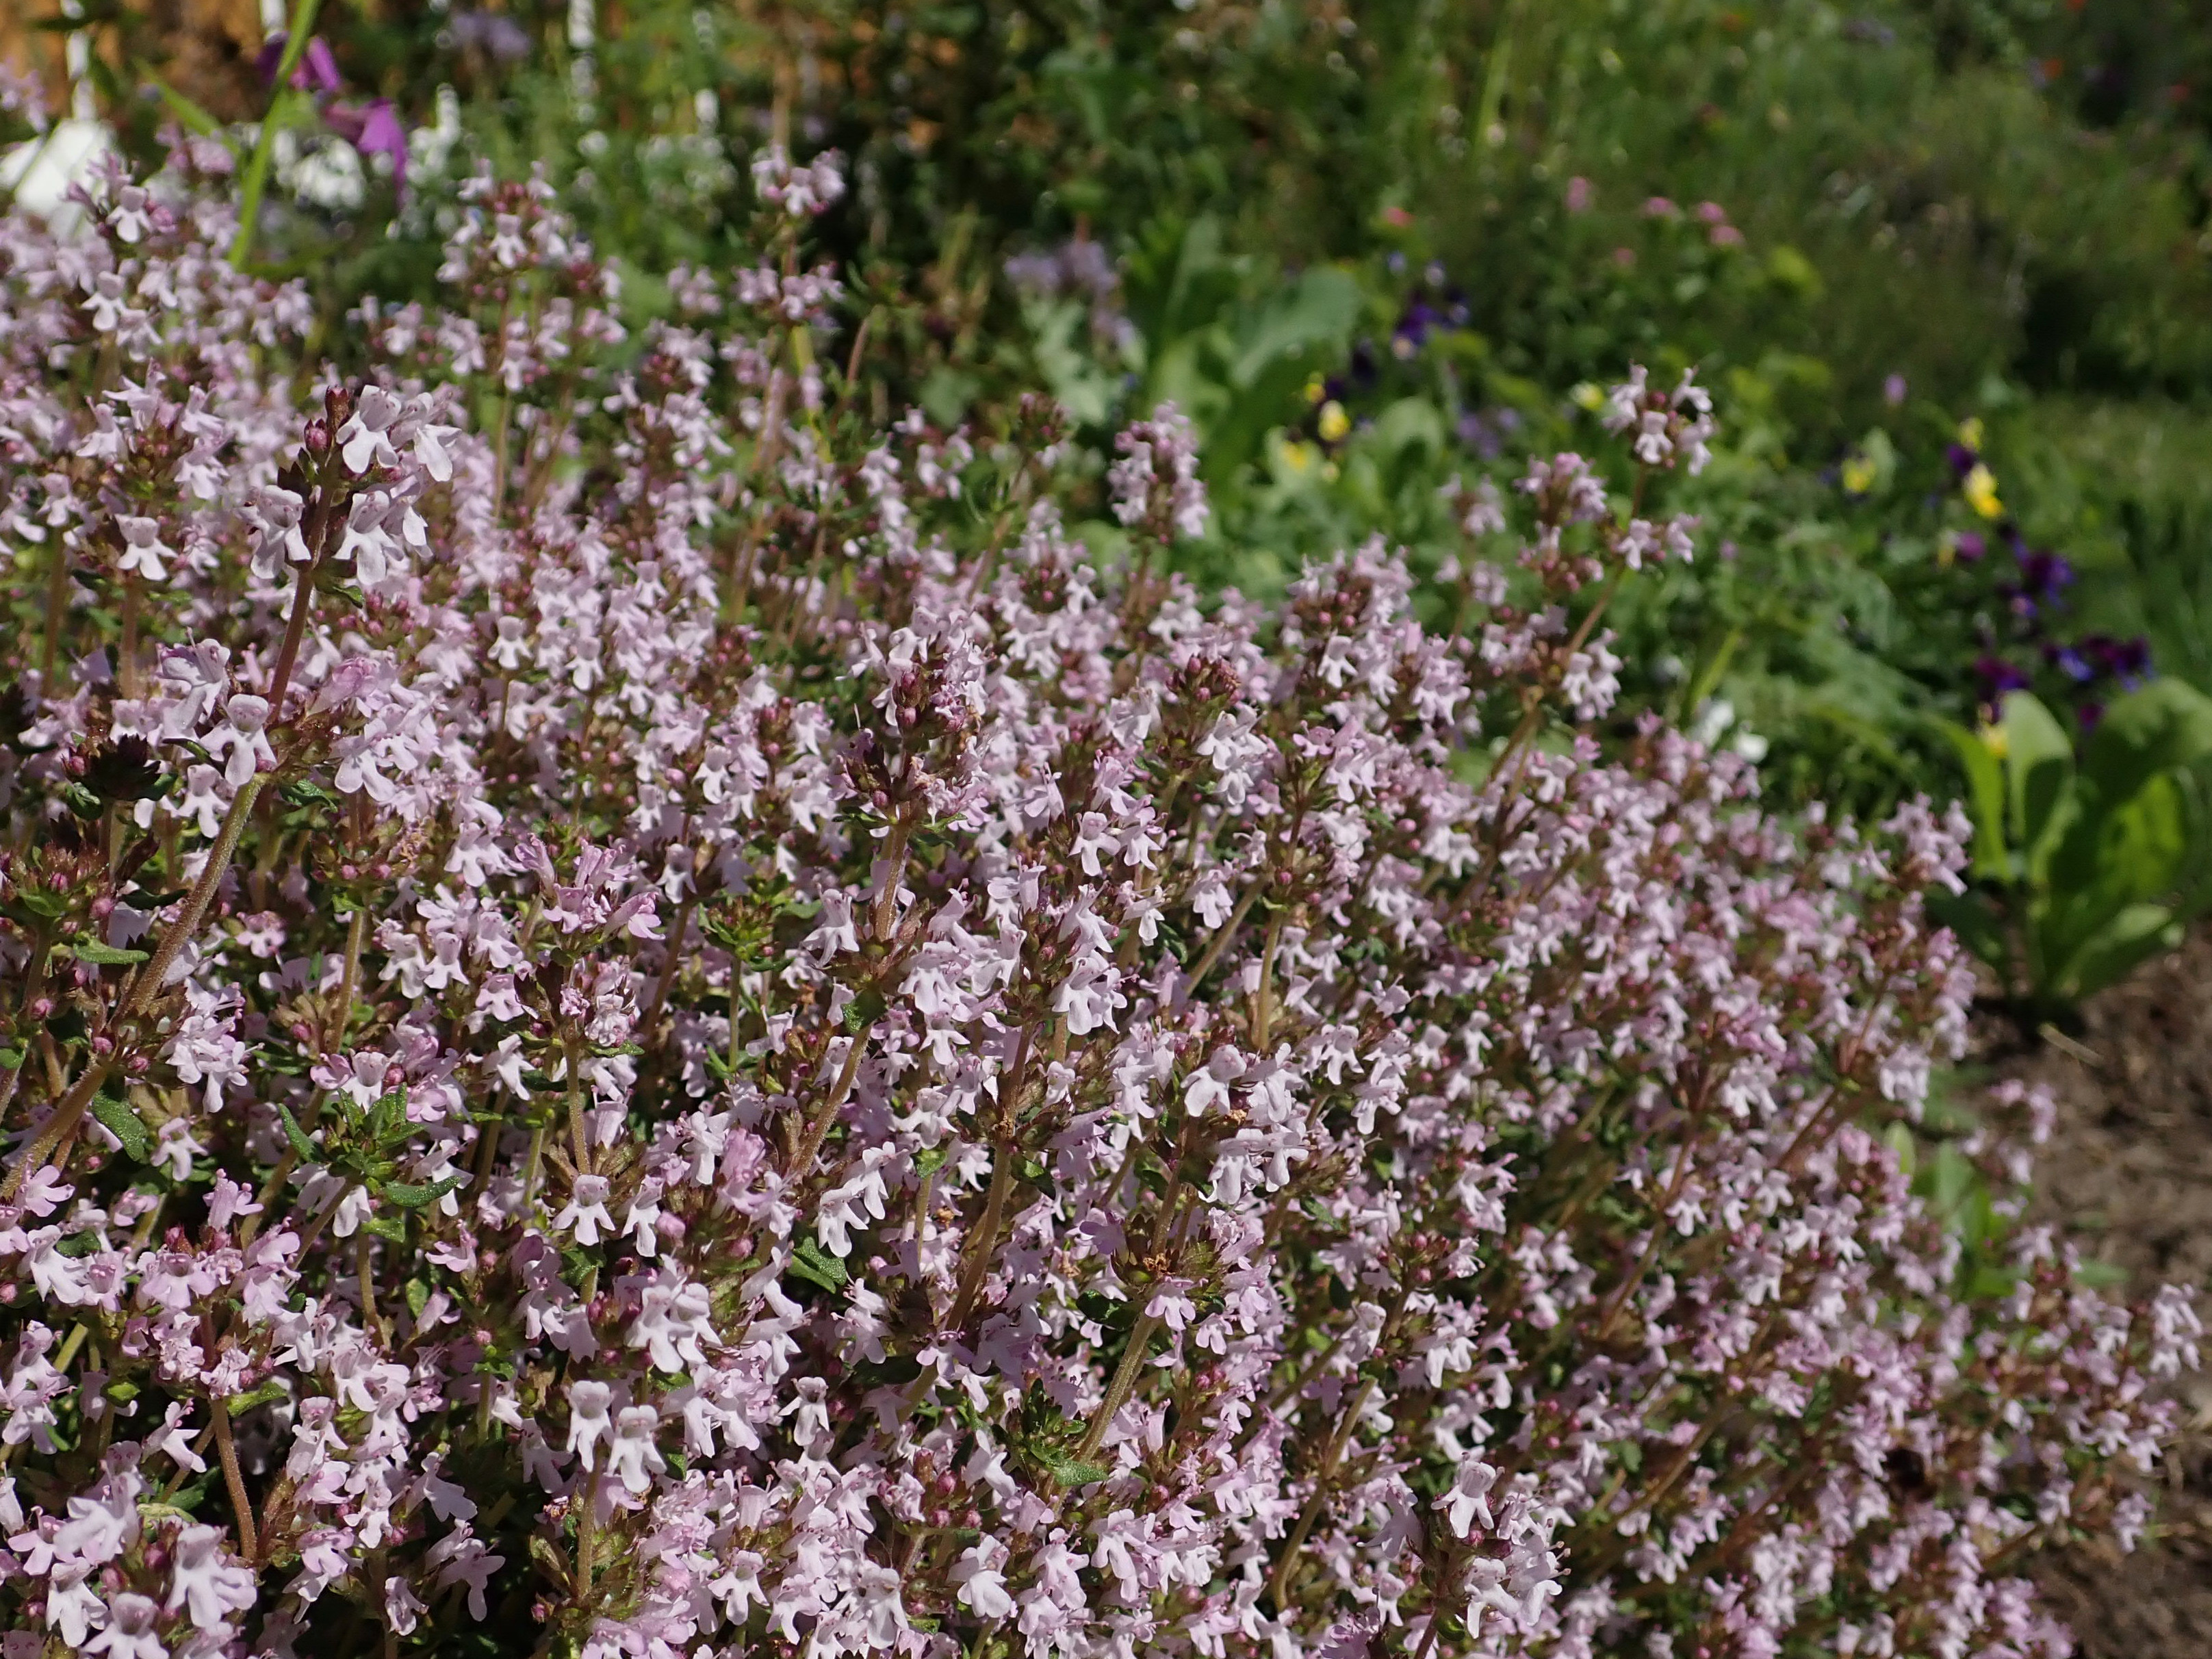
104, 956
2040, 764
1985, 801
816, 1266
2166, 724
302, 1148
409, 1196
117, 1118
1068, 1472
2136, 934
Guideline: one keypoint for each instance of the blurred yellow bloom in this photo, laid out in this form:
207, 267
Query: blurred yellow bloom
1589, 395
1300, 455
1859, 474
1314, 386
1993, 740
1980, 490
1335, 422
1969, 432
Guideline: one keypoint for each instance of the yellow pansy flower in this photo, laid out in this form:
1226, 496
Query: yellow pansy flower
1335, 422
1980, 489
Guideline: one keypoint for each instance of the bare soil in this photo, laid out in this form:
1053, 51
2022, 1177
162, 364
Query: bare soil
2129, 1174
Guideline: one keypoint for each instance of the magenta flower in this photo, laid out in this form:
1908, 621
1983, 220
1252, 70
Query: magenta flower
372, 128
316, 72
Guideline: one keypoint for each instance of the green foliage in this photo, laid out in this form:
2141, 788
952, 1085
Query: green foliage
2086, 866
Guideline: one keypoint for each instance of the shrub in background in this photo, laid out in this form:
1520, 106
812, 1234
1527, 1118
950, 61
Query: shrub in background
645, 1014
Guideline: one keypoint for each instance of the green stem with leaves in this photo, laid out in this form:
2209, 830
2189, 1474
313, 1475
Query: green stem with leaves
256, 166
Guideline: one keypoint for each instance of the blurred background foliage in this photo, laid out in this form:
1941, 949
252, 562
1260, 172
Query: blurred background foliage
1943, 262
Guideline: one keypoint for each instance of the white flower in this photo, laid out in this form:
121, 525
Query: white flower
143, 547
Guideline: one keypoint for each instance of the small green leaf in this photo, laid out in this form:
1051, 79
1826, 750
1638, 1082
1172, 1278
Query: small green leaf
239, 1404
1068, 1471
930, 1159
104, 956
418, 1297
11, 1059
411, 1197
116, 1116
816, 1266
302, 1148
864, 1011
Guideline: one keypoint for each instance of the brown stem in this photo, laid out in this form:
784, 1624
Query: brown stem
1261, 1013
356, 928
148, 985
817, 1131
62, 1124
56, 609
126, 669
1279, 1582
1221, 942
287, 654
247, 1544
983, 1242
578, 1132
1117, 1391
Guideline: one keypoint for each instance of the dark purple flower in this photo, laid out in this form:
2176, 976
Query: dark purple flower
1997, 677
1962, 460
2069, 661
2089, 713
2125, 660
1970, 547
2044, 574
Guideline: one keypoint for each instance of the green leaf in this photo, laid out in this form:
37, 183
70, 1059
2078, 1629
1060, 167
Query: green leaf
930, 1159
864, 1010
302, 1148
239, 1404
104, 956
2039, 763
1067, 1471
408, 1196
811, 1262
418, 1297
1985, 800
2166, 724
195, 118
11, 1059
116, 1116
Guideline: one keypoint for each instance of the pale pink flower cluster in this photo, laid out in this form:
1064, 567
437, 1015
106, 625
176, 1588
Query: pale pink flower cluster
631, 1030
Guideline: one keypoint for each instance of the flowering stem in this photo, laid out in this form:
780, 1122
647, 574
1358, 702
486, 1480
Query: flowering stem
578, 1131
802, 1159
1221, 942
982, 1243
341, 1016
1117, 1391
256, 166
65, 1118
126, 667
247, 1546
50, 646
148, 985
287, 654
1279, 1582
